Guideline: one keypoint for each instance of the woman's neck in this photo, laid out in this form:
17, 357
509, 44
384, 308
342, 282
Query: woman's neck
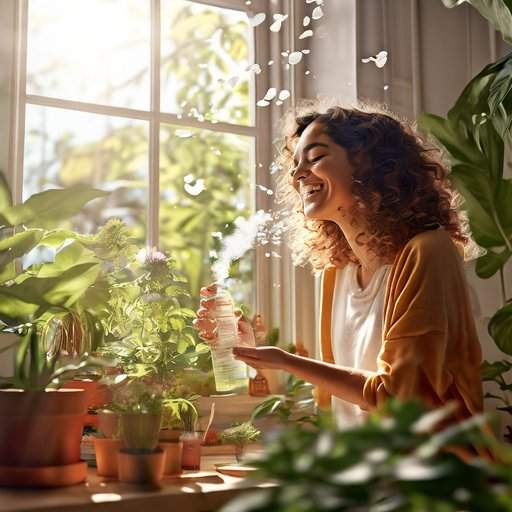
369, 262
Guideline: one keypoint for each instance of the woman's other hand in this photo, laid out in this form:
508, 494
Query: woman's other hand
272, 358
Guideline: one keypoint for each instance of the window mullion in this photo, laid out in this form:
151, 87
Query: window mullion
18, 106
154, 130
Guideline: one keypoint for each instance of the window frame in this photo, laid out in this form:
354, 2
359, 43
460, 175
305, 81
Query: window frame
260, 130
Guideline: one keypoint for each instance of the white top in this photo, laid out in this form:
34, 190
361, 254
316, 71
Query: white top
356, 330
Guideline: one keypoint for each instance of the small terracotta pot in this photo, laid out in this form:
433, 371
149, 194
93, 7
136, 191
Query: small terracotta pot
140, 431
141, 467
173, 453
106, 456
169, 435
191, 457
108, 423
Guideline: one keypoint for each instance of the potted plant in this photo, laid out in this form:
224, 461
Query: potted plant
140, 460
475, 134
40, 426
240, 435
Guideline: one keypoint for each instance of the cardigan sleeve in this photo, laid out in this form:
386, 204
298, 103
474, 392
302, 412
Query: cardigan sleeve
411, 363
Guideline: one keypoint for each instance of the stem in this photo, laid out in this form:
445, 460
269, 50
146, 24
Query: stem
508, 243
503, 290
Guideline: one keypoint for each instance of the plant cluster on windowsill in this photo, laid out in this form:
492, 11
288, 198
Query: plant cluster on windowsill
393, 462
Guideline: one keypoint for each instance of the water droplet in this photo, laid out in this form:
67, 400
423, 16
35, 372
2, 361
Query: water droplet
305, 34
386, 87
295, 58
317, 13
306, 21
380, 59
189, 178
307, 72
285, 53
258, 19
183, 134
306, 51
276, 26
270, 94
248, 2
284, 94
262, 103
279, 103
196, 189
270, 62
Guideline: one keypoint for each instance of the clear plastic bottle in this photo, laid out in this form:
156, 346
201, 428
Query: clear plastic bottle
230, 374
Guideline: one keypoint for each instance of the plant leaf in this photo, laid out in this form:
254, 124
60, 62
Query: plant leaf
500, 328
488, 264
52, 206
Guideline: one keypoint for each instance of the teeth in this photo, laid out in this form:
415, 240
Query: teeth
309, 189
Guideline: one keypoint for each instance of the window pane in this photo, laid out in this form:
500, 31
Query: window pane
95, 51
205, 185
205, 54
64, 148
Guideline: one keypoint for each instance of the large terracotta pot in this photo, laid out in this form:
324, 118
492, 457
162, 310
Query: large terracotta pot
106, 456
41, 428
97, 394
141, 467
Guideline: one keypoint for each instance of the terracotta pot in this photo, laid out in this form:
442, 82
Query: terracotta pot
168, 435
108, 423
106, 456
191, 457
173, 453
97, 394
41, 428
141, 467
140, 431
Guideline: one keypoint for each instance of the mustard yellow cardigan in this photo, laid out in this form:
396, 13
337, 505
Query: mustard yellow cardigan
430, 349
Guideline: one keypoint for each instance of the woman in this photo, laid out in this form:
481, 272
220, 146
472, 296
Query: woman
375, 212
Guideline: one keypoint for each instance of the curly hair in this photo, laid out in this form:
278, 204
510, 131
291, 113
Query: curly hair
400, 185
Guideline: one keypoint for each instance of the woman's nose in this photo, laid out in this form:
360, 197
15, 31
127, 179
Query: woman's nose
301, 171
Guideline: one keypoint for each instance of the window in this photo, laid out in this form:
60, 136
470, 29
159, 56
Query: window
153, 100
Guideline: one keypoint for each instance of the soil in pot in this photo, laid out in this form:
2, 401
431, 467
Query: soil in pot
141, 466
106, 456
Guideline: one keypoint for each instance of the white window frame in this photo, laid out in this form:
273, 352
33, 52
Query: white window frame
260, 131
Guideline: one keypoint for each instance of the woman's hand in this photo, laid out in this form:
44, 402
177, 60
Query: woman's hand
206, 323
272, 358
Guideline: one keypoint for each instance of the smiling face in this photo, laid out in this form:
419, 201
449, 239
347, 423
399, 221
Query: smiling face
322, 175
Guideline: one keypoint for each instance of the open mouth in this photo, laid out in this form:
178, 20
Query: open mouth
310, 190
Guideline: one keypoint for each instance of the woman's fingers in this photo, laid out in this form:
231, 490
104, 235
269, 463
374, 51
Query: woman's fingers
261, 357
205, 324
207, 291
208, 304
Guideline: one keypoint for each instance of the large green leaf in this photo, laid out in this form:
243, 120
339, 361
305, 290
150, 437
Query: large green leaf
52, 206
14, 247
448, 134
490, 371
500, 329
488, 219
498, 12
488, 264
